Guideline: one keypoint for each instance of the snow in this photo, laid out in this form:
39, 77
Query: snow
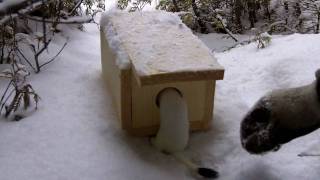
152, 52
79, 19
289, 61
114, 42
75, 134
219, 43
5, 4
110, 4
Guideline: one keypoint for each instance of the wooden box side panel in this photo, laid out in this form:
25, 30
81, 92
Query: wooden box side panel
126, 100
118, 82
145, 114
210, 91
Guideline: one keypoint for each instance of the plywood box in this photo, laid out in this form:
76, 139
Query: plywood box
143, 53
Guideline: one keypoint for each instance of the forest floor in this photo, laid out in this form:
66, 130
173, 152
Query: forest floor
75, 133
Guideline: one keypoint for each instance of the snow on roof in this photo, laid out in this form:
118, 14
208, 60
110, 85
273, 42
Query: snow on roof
159, 44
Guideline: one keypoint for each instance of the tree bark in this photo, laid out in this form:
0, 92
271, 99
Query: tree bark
252, 12
201, 24
237, 12
176, 7
318, 23
15, 7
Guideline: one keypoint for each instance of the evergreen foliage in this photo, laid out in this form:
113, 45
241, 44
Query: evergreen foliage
239, 16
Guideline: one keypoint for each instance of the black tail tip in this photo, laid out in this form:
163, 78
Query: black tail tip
208, 173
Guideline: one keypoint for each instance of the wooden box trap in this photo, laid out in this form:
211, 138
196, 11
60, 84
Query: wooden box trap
143, 53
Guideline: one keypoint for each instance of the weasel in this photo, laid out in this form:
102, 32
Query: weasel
281, 116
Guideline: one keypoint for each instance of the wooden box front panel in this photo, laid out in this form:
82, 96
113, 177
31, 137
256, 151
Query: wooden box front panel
145, 113
135, 105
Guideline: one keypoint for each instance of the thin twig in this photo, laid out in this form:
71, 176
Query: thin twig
23, 56
3, 45
5, 92
61, 21
226, 29
240, 43
75, 7
36, 56
308, 155
280, 23
25, 10
53, 58
4, 102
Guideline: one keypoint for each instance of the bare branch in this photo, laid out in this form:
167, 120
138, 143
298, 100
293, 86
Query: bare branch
22, 10
53, 58
72, 20
219, 18
75, 7
283, 23
25, 59
307, 155
46, 44
8, 7
5, 92
5, 101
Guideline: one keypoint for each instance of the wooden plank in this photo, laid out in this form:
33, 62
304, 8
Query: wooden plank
118, 83
126, 98
162, 78
111, 73
209, 104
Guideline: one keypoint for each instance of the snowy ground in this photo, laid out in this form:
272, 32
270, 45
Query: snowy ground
75, 134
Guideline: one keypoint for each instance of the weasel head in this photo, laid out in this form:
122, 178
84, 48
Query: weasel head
267, 126
256, 130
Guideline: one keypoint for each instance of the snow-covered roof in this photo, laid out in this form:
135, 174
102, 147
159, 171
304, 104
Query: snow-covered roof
159, 47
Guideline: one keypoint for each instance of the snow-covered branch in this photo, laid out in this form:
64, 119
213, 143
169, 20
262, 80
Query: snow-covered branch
26, 9
13, 6
223, 24
70, 20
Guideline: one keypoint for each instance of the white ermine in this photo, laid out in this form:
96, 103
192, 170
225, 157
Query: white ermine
173, 134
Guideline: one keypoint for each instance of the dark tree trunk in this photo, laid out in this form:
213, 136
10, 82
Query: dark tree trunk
237, 13
286, 8
176, 7
318, 23
252, 12
201, 24
3, 41
265, 4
